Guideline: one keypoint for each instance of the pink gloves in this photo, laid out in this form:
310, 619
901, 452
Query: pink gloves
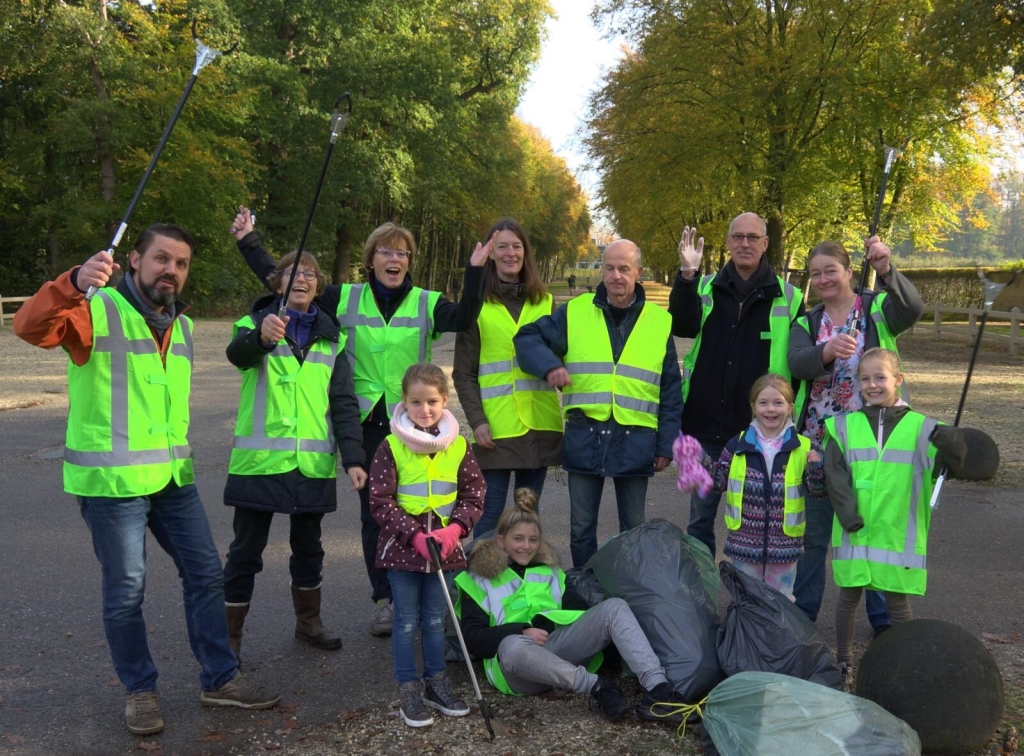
419, 545
687, 452
448, 538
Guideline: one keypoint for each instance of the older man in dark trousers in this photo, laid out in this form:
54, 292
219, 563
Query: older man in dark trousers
612, 355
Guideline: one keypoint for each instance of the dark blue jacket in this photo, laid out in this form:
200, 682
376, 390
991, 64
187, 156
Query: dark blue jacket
605, 448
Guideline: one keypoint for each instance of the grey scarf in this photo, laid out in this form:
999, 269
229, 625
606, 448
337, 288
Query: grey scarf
158, 321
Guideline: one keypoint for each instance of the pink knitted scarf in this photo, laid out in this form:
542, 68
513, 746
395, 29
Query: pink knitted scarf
421, 441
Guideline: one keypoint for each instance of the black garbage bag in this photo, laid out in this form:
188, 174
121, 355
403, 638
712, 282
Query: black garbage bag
586, 585
655, 568
766, 632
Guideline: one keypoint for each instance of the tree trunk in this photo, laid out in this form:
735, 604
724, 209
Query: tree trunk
342, 255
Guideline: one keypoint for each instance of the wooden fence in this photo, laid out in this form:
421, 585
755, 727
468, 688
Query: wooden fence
970, 328
4, 300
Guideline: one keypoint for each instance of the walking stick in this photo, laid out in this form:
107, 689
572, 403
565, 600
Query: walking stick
435, 556
204, 56
338, 121
992, 290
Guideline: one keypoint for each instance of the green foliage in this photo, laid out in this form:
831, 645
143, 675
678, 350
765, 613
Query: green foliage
87, 88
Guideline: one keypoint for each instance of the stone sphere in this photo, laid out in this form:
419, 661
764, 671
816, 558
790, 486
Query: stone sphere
939, 679
982, 462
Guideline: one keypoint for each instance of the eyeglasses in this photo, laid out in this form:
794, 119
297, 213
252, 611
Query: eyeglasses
749, 238
401, 254
306, 275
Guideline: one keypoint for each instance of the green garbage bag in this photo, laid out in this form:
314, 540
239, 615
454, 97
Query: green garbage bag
767, 714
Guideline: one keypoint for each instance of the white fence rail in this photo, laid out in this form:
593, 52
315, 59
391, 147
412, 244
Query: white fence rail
4, 300
970, 328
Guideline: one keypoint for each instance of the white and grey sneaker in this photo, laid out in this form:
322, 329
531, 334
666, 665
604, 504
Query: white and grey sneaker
413, 709
382, 619
439, 695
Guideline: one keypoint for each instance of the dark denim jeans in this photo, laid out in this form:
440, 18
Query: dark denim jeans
245, 556
497, 494
809, 587
585, 506
177, 520
373, 435
704, 509
418, 601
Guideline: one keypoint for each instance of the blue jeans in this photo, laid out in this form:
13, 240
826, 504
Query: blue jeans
177, 520
704, 509
809, 587
418, 602
497, 494
585, 505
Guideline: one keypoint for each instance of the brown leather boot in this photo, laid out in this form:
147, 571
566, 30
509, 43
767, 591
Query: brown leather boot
236, 620
308, 626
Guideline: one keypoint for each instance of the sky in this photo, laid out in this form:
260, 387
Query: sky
573, 58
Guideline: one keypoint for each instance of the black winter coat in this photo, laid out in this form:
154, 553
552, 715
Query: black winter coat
292, 492
732, 353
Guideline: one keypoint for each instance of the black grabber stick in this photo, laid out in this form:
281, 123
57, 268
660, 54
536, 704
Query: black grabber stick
992, 290
435, 556
338, 121
204, 56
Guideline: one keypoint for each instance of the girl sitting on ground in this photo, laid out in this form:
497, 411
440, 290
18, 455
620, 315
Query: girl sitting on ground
880, 463
534, 632
763, 472
424, 483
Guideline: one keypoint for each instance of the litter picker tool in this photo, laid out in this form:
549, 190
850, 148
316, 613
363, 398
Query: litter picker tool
204, 56
992, 290
338, 121
435, 556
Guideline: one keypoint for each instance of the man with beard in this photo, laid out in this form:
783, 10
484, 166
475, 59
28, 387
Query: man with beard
128, 462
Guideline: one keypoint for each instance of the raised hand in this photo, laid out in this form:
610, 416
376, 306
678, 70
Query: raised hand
273, 328
96, 271
879, 255
242, 224
483, 435
690, 252
558, 377
482, 252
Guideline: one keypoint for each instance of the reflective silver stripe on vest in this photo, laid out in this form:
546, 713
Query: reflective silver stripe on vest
492, 368
493, 392
440, 488
119, 347
639, 405
794, 492
705, 300
795, 519
590, 368
880, 556
731, 511
898, 456
494, 596
533, 384
258, 440
596, 397
647, 376
877, 316
352, 318
686, 373
551, 581
365, 404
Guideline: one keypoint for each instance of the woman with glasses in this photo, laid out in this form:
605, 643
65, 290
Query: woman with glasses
516, 417
824, 353
388, 324
297, 406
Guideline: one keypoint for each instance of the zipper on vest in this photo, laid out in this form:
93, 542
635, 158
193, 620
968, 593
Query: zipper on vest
881, 426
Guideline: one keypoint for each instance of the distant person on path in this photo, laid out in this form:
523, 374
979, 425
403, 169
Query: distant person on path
297, 409
572, 283
880, 464
128, 461
740, 320
516, 417
534, 631
824, 354
424, 485
387, 324
612, 355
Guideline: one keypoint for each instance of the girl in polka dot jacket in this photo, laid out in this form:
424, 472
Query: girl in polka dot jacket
424, 484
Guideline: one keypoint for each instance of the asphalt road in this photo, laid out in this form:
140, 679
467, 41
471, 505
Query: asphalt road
58, 692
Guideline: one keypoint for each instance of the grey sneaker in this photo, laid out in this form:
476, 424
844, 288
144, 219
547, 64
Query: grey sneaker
142, 713
439, 695
413, 709
382, 619
241, 692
